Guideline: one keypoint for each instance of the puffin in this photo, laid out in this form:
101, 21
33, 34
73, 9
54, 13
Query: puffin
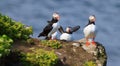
54, 36
51, 28
90, 31
67, 35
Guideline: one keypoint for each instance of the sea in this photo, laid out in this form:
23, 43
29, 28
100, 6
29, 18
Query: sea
36, 13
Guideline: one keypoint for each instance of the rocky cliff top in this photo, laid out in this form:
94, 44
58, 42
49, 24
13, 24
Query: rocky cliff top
72, 53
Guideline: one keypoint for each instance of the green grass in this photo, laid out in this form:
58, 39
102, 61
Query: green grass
90, 63
52, 43
40, 57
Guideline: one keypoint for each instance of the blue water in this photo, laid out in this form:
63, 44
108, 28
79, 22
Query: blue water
73, 12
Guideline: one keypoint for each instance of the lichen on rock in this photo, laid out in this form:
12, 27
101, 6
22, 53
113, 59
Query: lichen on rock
98, 51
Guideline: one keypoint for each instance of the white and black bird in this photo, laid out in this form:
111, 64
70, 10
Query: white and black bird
54, 36
51, 27
67, 35
90, 31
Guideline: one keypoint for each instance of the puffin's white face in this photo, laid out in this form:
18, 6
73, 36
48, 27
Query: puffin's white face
56, 16
67, 29
92, 18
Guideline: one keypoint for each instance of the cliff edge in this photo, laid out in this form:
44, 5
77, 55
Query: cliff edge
72, 53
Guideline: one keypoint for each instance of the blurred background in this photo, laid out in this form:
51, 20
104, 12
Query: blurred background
36, 13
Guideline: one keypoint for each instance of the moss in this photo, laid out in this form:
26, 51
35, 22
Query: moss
89, 63
52, 43
40, 57
30, 41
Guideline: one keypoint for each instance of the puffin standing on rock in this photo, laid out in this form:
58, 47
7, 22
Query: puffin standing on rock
67, 35
52, 27
90, 31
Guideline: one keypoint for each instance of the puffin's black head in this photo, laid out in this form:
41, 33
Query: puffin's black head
55, 18
92, 19
68, 30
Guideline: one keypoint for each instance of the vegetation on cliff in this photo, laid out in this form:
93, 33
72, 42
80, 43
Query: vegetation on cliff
39, 57
14, 29
18, 49
5, 45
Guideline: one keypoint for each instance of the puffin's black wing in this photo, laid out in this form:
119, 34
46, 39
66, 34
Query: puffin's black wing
73, 29
61, 30
46, 30
50, 22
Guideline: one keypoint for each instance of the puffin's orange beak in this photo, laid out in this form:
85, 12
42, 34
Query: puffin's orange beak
58, 17
92, 18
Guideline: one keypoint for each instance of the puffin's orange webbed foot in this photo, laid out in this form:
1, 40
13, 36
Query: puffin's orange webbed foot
87, 43
93, 43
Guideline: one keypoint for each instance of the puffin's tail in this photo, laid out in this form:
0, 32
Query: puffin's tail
41, 34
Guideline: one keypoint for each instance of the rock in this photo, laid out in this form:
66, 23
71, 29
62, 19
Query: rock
76, 44
101, 55
98, 52
58, 53
90, 49
72, 53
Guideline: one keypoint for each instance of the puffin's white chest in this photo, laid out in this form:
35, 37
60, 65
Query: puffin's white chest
89, 31
55, 28
66, 36
54, 35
